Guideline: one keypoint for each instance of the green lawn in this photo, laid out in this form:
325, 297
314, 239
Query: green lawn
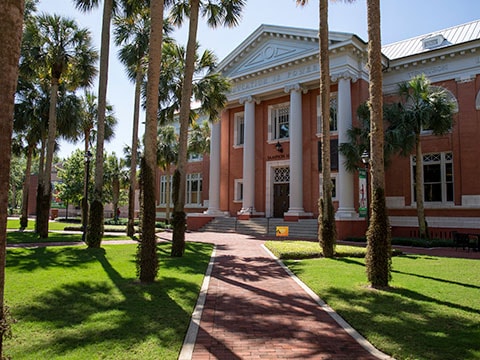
14, 224
29, 237
431, 311
80, 303
18, 237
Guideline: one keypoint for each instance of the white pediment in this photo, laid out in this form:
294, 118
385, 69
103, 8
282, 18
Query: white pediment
272, 46
270, 54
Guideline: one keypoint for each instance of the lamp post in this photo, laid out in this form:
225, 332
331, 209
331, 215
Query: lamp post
87, 157
366, 161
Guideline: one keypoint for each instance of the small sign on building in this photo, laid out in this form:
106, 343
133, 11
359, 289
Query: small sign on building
281, 231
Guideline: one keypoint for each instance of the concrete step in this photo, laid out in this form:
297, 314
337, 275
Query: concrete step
303, 229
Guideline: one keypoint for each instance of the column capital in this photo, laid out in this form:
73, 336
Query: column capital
249, 99
347, 75
294, 87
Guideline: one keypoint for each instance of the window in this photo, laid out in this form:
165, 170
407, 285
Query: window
238, 190
279, 122
194, 189
239, 129
334, 186
333, 113
163, 189
195, 157
437, 177
333, 155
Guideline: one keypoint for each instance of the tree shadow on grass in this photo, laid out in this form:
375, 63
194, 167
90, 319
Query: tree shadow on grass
407, 322
116, 312
30, 259
412, 322
30, 237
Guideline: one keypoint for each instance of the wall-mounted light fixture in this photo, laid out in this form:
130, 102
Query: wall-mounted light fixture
279, 147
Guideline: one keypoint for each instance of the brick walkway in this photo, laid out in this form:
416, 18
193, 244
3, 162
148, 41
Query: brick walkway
255, 310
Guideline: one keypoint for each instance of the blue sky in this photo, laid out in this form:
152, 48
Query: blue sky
400, 19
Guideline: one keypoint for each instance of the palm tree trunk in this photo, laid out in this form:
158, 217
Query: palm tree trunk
422, 223
45, 198
85, 184
327, 229
40, 186
179, 217
26, 188
95, 228
11, 20
147, 255
167, 194
378, 258
133, 161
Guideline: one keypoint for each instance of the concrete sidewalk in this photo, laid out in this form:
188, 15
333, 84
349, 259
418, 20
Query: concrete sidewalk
255, 309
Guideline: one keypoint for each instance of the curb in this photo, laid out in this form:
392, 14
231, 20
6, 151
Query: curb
340, 321
189, 342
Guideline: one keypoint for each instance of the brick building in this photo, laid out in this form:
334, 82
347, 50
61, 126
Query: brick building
265, 157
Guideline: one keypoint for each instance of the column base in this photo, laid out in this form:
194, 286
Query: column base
249, 213
296, 214
346, 214
215, 212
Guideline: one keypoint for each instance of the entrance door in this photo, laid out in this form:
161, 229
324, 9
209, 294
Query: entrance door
280, 200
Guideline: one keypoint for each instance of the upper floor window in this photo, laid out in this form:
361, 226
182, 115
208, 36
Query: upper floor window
333, 113
166, 189
239, 129
279, 121
195, 157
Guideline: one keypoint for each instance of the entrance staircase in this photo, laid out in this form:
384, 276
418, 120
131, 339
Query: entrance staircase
303, 229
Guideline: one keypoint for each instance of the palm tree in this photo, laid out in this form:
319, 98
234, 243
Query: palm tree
88, 121
166, 156
63, 53
378, 257
11, 21
95, 229
132, 32
199, 138
147, 260
28, 127
116, 175
226, 12
327, 232
422, 107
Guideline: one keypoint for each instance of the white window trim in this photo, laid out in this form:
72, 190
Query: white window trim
163, 180
333, 176
197, 158
238, 117
272, 124
236, 196
442, 162
319, 115
198, 177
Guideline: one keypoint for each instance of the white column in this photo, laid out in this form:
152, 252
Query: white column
248, 205
344, 186
214, 183
296, 153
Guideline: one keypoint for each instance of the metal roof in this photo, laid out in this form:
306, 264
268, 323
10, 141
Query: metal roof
436, 40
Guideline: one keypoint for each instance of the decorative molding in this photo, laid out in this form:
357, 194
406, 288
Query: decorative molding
249, 99
294, 87
347, 74
465, 78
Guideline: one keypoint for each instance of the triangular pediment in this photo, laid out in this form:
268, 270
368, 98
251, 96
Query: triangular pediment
270, 46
